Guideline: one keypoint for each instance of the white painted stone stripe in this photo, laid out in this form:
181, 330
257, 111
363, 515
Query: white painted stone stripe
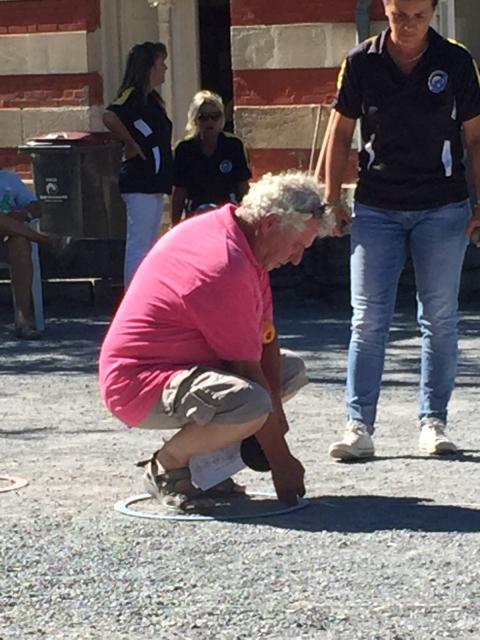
293, 46
289, 127
19, 125
43, 53
10, 127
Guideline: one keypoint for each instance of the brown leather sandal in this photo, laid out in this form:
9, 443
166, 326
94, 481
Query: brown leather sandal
174, 488
226, 488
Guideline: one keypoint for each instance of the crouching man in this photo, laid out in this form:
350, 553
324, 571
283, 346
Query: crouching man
193, 346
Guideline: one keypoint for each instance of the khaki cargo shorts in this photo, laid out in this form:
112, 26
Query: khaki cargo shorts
204, 395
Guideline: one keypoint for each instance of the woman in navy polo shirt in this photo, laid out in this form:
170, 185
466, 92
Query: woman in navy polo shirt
210, 166
138, 118
416, 94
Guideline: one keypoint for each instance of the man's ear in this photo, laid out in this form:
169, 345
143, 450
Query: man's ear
269, 222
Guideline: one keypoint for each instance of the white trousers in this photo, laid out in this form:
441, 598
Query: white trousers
144, 218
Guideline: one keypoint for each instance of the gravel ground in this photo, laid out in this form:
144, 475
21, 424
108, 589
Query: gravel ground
388, 549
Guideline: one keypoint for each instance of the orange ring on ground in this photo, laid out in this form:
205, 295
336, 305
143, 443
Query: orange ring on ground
15, 483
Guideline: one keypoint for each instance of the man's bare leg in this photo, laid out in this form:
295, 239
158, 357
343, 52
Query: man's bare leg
167, 476
194, 439
20, 258
11, 227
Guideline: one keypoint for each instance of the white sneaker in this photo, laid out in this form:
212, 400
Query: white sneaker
432, 438
356, 443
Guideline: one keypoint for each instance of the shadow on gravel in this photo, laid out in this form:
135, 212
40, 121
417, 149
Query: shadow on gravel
365, 514
465, 455
392, 383
80, 360
38, 433
68, 346
34, 433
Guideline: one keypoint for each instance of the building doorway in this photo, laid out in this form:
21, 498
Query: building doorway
215, 55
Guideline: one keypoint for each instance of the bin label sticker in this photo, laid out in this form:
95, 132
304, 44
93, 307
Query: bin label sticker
52, 191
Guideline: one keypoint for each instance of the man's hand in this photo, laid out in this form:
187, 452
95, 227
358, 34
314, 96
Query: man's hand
288, 479
473, 229
287, 471
343, 221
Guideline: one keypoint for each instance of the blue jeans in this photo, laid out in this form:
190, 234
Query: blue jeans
437, 242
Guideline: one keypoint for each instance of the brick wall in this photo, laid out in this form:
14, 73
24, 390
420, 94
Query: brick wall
286, 57
48, 75
39, 16
58, 90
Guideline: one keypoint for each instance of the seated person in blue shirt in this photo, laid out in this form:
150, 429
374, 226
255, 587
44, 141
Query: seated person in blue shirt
17, 207
210, 166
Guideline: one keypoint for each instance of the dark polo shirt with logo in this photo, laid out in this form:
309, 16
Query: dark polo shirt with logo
412, 155
210, 179
148, 124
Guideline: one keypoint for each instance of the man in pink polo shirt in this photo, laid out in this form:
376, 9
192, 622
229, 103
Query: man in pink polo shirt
193, 347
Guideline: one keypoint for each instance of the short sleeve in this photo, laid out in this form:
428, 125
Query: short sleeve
181, 173
266, 297
228, 313
21, 194
467, 91
348, 101
242, 172
124, 106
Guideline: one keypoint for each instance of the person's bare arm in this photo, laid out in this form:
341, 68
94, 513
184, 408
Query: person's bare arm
254, 371
25, 214
116, 126
179, 197
9, 226
338, 151
471, 129
271, 367
287, 472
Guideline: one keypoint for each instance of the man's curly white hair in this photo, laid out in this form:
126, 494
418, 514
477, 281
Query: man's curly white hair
294, 196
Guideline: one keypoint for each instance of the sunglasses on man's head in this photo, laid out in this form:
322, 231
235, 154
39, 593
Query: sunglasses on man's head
205, 117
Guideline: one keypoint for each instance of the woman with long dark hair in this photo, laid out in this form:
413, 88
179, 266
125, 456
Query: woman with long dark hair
138, 118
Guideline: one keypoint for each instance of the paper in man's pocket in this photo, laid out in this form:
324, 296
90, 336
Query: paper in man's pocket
208, 469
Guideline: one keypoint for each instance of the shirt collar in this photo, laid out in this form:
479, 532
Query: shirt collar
378, 44
236, 231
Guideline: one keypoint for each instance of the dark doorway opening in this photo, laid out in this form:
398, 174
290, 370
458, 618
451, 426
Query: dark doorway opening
215, 54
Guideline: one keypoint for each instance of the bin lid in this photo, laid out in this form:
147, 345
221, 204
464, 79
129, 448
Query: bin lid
75, 137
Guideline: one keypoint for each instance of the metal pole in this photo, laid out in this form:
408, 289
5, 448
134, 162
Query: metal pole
363, 19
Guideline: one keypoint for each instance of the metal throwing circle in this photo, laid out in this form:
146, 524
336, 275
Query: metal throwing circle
123, 507
15, 483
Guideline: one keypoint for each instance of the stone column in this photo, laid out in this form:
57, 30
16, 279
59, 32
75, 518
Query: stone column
178, 30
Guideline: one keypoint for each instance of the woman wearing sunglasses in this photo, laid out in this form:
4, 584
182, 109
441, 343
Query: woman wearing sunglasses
210, 166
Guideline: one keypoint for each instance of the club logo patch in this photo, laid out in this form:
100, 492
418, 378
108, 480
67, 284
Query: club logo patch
437, 81
226, 166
